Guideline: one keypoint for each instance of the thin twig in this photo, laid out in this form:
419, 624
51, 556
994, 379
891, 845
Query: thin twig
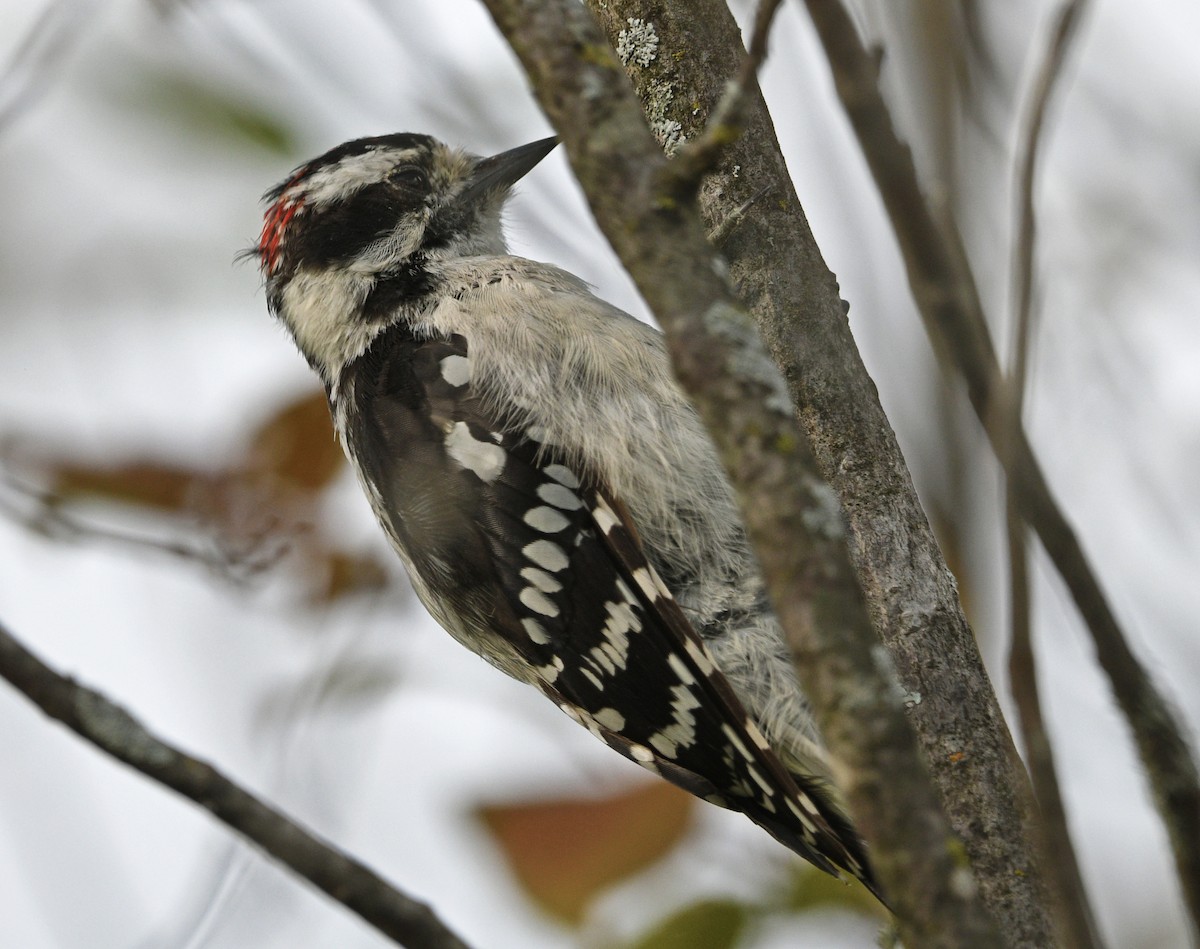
944, 290
114, 731
27, 76
43, 513
727, 119
1077, 926
1064, 31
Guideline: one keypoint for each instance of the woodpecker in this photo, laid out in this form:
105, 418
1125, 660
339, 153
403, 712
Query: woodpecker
556, 501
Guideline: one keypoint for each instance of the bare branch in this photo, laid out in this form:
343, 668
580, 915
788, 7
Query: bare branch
727, 120
777, 266
944, 289
114, 731
1076, 925
791, 514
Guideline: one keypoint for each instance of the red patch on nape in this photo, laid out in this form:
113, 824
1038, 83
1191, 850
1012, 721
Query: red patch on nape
275, 223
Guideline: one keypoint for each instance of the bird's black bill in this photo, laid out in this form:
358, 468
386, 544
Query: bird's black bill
506, 169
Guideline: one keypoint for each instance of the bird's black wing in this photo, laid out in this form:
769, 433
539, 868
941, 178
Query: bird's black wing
537, 551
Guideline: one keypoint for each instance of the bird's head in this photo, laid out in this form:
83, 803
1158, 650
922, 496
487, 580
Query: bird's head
370, 204
347, 235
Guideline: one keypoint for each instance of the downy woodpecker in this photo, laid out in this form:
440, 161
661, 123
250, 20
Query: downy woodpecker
559, 507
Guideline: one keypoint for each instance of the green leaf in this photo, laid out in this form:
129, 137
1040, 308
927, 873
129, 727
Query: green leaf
710, 924
206, 110
810, 888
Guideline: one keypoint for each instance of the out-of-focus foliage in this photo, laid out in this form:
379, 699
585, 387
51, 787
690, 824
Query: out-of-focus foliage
257, 511
565, 852
297, 446
809, 889
716, 923
711, 924
205, 109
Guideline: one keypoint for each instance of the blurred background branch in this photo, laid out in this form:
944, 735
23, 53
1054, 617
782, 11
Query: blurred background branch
42, 53
115, 732
1075, 923
944, 289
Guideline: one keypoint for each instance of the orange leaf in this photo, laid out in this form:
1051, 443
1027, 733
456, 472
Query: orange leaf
146, 483
297, 444
565, 852
344, 573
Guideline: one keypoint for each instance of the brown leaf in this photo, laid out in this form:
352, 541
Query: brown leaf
146, 483
341, 573
565, 852
297, 444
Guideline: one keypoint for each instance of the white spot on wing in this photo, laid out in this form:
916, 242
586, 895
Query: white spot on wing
546, 520
760, 780
611, 719
535, 631
593, 678
663, 745
563, 475
642, 578
681, 670
537, 601
682, 730
604, 517
559, 496
621, 619
805, 820
546, 554
484, 459
602, 661
736, 741
756, 736
542, 580
456, 370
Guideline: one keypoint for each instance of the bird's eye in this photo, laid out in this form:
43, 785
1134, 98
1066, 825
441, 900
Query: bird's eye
408, 176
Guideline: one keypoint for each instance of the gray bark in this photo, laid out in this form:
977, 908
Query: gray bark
781, 276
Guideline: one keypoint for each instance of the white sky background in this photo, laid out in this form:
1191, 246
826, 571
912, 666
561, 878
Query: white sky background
127, 328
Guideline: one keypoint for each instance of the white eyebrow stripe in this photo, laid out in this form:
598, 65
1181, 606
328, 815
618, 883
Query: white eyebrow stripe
336, 182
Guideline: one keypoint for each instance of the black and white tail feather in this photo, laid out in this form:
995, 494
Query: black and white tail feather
555, 499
